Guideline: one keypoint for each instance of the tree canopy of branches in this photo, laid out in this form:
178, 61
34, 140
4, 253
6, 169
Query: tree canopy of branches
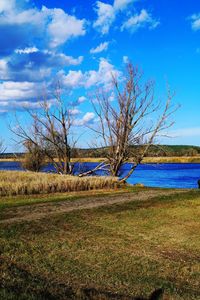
49, 135
134, 118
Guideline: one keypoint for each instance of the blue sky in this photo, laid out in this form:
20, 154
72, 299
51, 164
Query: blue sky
82, 42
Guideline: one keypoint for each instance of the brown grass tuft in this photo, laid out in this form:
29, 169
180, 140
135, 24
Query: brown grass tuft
14, 183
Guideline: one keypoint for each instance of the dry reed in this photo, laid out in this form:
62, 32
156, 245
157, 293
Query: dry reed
14, 183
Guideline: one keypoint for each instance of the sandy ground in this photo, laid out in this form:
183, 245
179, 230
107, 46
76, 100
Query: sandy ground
45, 210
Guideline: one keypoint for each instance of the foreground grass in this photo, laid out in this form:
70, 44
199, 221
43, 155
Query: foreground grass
128, 249
23, 200
14, 183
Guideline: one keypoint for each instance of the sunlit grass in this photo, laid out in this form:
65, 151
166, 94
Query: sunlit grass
128, 249
14, 183
158, 159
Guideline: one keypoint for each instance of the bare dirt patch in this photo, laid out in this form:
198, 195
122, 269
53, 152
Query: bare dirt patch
42, 210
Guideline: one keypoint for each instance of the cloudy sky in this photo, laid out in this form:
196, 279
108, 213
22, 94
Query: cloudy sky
82, 42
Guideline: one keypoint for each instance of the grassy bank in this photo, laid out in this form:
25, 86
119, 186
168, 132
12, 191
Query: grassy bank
128, 249
158, 159
172, 159
14, 183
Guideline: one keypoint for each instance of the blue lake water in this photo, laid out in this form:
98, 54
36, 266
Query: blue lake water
153, 175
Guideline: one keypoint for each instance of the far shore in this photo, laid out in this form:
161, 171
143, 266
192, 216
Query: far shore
159, 159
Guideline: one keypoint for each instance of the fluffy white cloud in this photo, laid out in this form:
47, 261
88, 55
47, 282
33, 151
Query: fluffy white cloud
28, 31
72, 79
63, 27
106, 16
8, 105
74, 111
6, 5
27, 50
53, 24
18, 90
4, 71
81, 99
87, 118
121, 4
195, 22
31, 64
102, 77
100, 48
140, 20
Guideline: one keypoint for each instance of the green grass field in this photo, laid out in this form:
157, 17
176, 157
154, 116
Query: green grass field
128, 249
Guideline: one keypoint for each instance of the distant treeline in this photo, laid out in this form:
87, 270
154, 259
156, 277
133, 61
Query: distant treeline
154, 151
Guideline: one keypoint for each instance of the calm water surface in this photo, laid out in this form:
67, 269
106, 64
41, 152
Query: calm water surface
153, 175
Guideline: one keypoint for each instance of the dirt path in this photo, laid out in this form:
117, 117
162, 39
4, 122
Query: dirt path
42, 210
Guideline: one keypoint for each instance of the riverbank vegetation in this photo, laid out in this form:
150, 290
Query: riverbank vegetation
129, 249
159, 153
14, 183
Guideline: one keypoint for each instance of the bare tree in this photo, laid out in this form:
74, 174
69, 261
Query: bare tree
129, 125
2, 147
51, 133
34, 158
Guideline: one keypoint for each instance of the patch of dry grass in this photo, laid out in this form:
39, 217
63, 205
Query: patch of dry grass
172, 159
130, 249
26, 183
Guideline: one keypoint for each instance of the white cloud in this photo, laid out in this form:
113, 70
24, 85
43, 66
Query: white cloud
121, 4
4, 70
87, 118
30, 16
74, 111
81, 99
31, 65
73, 79
139, 21
71, 60
6, 5
27, 50
106, 16
195, 22
63, 59
63, 27
185, 132
102, 77
27, 31
11, 90
100, 48
23, 104
58, 25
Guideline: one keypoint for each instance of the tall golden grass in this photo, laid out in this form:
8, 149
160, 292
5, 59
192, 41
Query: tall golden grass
172, 159
14, 183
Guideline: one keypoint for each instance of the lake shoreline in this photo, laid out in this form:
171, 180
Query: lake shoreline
164, 175
147, 160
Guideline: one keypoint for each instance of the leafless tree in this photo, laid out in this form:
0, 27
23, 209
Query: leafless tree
34, 158
129, 125
2, 147
50, 133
